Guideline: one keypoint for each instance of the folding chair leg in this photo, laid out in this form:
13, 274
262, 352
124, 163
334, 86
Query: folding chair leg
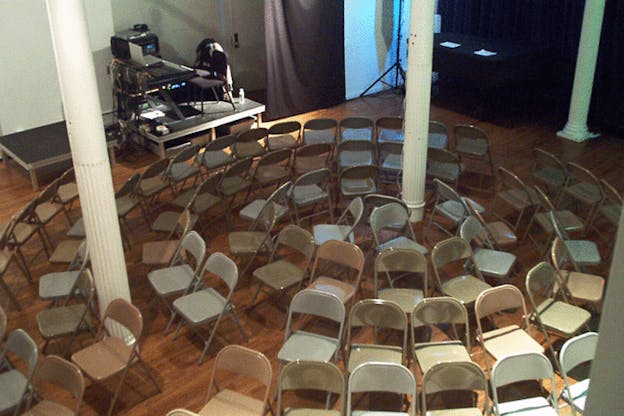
240, 327
207, 343
10, 294
117, 391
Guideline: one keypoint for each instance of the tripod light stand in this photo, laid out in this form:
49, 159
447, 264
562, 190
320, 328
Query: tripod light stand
396, 66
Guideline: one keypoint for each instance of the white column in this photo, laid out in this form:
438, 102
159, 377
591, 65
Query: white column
417, 103
83, 116
576, 127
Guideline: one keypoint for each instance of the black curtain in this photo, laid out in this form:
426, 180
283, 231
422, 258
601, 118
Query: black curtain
305, 55
558, 24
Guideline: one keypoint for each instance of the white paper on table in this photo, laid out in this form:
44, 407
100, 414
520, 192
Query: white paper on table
484, 52
153, 114
449, 44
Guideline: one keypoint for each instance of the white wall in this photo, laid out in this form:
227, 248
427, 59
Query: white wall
181, 24
370, 30
29, 84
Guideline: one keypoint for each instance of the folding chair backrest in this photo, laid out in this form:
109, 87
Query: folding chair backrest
580, 174
85, 287
311, 375
221, 265
320, 130
372, 201
252, 135
392, 215
68, 176
265, 221
280, 195
129, 186
182, 225
298, 239
521, 367
238, 168
450, 250
220, 143
390, 148
191, 243
381, 377
81, 257
578, 350
543, 199
377, 313
65, 374
610, 193
389, 128
186, 154
356, 146
155, 169
356, 210
446, 192
315, 149
356, 128
314, 177
23, 346
286, 127
465, 131
540, 282
209, 185
26, 213
314, 302
438, 155
126, 314
49, 193
360, 172
436, 127
275, 157
454, 376
470, 228
400, 260
243, 361
5, 233
498, 299
343, 253
559, 256
510, 181
544, 159
440, 311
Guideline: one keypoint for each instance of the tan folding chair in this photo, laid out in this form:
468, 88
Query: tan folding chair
355, 128
337, 269
47, 208
64, 375
550, 314
289, 262
272, 168
503, 326
7, 255
320, 130
358, 181
401, 264
444, 165
344, 229
581, 252
310, 190
56, 286
389, 129
466, 286
67, 191
393, 217
279, 198
311, 157
438, 135
156, 253
499, 234
549, 172
381, 316
432, 313
111, 355
152, 183
227, 398
202, 199
390, 156
473, 145
206, 305
514, 194
355, 153
15, 380
455, 377
522, 367
236, 179
67, 320
584, 188
284, 135
183, 167
611, 206
251, 143
24, 228
575, 351
301, 375
382, 377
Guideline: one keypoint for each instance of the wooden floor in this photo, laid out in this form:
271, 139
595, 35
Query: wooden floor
174, 363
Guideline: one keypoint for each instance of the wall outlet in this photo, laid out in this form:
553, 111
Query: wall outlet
236, 43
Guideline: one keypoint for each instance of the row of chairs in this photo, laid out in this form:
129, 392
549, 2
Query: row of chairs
369, 377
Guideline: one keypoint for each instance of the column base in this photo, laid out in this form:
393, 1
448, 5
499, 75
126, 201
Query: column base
576, 133
417, 211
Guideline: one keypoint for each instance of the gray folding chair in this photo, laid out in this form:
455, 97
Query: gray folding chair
577, 350
344, 229
320, 130
284, 135
15, 383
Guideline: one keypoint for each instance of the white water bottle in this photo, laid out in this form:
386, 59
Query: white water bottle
241, 96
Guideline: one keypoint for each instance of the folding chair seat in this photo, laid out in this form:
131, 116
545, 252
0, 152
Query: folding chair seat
611, 206
312, 157
289, 262
320, 130
549, 172
499, 234
432, 313
68, 379
152, 183
575, 351
549, 313
67, 191
320, 376
206, 304
337, 269
183, 167
382, 316
389, 129
358, 181
390, 160
202, 199
581, 287
110, 355
344, 229
355, 128
513, 193
401, 264
181, 274
311, 189
15, 380
438, 135
235, 180
393, 217
67, 320
48, 207
218, 153
382, 377
567, 219
158, 253
465, 286
455, 377
257, 241
583, 188
355, 153
284, 135
305, 345
503, 326
492, 263
523, 367
251, 143
444, 165
473, 145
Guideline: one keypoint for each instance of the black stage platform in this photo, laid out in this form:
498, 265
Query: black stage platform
42, 147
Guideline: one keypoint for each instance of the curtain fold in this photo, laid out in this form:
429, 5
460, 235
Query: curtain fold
556, 23
305, 55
